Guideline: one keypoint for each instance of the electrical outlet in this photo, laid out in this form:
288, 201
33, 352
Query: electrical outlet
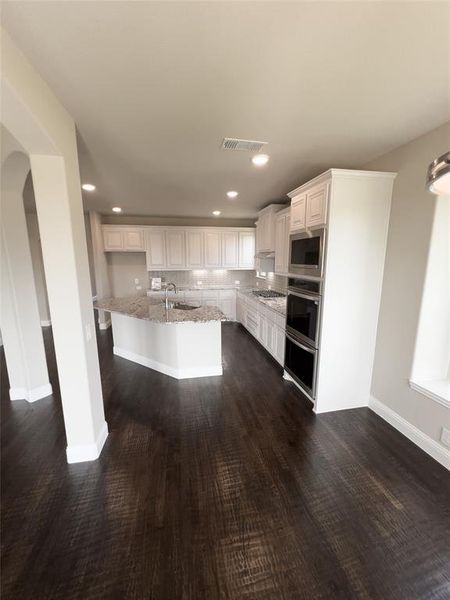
136, 281
445, 437
237, 282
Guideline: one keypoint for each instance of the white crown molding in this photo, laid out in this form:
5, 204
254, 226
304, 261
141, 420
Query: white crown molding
427, 444
32, 395
88, 452
340, 174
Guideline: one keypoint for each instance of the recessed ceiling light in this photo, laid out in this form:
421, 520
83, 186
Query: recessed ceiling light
88, 187
259, 160
116, 209
216, 213
232, 194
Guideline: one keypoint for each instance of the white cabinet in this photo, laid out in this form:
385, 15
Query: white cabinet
156, 249
230, 249
175, 249
309, 209
112, 239
265, 227
246, 250
123, 239
266, 325
252, 321
298, 213
316, 206
282, 242
134, 240
212, 250
194, 248
227, 303
279, 342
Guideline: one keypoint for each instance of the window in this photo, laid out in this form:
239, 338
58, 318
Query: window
431, 366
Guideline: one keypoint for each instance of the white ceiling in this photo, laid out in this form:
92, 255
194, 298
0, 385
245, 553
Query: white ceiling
155, 86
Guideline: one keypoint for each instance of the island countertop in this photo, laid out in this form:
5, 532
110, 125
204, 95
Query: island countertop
152, 309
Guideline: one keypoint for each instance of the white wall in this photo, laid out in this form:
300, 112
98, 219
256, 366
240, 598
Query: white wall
410, 227
123, 268
33, 114
38, 267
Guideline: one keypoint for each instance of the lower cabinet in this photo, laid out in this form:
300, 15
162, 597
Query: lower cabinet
267, 326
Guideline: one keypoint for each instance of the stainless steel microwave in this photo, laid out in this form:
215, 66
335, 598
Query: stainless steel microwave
306, 252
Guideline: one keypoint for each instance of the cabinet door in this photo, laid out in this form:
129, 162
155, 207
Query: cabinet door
230, 249
287, 246
316, 206
194, 249
134, 240
280, 336
298, 213
262, 333
228, 307
112, 239
280, 244
212, 249
176, 249
246, 250
252, 322
264, 233
271, 339
156, 250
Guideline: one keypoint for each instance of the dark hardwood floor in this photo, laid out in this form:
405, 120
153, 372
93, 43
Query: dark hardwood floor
218, 488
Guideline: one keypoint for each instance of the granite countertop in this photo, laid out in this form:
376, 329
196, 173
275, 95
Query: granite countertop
152, 309
276, 304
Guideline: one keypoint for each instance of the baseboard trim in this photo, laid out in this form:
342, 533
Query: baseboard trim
32, 395
46, 323
189, 373
105, 325
427, 444
88, 452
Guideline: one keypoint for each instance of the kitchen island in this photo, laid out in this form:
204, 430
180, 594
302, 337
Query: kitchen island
183, 340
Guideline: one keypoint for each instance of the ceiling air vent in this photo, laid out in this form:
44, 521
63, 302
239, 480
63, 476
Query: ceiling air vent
246, 145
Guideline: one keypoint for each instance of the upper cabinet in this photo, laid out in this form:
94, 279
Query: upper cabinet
195, 241
282, 242
316, 206
247, 249
309, 207
230, 249
183, 248
265, 228
213, 254
123, 239
298, 212
156, 249
175, 249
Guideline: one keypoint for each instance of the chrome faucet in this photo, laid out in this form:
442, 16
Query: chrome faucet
174, 287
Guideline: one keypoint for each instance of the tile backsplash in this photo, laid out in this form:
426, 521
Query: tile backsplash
219, 277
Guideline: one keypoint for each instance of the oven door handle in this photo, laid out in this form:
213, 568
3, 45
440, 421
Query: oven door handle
314, 297
310, 350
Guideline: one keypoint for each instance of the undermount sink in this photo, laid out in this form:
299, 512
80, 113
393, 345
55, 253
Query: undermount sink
182, 306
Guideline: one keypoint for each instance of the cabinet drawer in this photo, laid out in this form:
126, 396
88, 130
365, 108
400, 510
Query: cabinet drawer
252, 323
